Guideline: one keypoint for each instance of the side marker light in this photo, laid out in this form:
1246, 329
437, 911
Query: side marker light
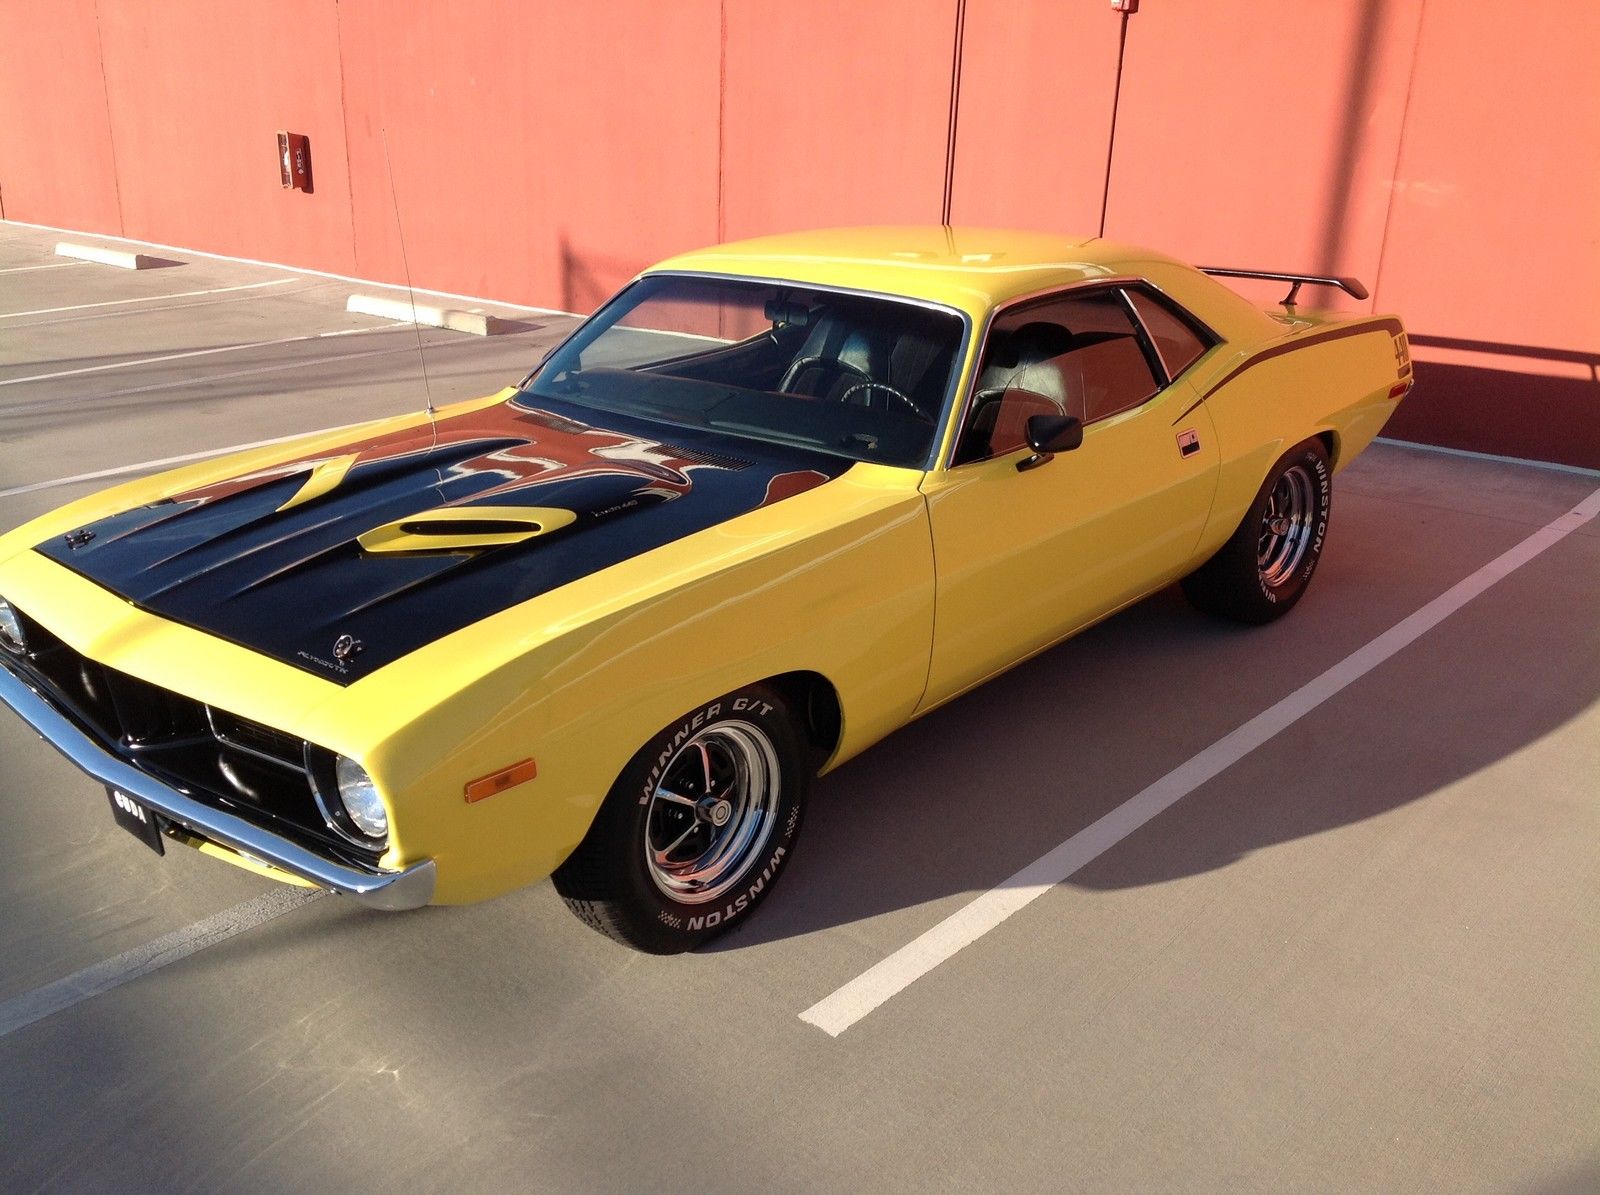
498, 782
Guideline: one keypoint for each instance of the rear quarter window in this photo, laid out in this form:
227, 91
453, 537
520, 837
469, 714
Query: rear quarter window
1179, 339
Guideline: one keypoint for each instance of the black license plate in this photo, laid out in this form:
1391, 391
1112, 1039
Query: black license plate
136, 820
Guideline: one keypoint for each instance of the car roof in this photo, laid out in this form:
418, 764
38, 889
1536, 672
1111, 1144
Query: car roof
969, 268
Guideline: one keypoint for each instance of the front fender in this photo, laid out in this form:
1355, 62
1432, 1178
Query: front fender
838, 581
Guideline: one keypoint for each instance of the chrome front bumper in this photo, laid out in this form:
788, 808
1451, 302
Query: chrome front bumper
407, 889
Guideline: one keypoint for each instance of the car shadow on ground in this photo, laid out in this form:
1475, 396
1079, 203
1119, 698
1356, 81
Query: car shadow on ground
967, 796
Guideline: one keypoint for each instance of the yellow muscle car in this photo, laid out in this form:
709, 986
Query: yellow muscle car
772, 501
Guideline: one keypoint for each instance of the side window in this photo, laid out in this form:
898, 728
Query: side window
1179, 341
1076, 354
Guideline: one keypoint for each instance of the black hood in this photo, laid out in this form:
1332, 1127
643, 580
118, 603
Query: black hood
271, 560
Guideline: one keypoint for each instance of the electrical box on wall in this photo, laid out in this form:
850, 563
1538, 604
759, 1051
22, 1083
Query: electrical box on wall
294, 161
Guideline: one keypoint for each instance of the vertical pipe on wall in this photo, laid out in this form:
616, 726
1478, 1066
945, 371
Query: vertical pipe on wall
111, 132
955, 110
1116, 102
1399, 157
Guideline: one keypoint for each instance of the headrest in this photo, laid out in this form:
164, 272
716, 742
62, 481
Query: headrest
1040, 341
857, 352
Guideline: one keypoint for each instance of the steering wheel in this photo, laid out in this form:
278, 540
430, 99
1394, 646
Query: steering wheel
892, 392
792, 374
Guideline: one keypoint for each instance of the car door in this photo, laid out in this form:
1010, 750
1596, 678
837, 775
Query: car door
1028, 552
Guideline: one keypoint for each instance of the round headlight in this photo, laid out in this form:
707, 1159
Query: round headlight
12, 637
359, 796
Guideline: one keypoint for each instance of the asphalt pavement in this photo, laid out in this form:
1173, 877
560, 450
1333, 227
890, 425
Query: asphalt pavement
1361, 953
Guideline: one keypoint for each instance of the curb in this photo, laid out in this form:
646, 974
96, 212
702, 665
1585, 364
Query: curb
107, 257
475, 323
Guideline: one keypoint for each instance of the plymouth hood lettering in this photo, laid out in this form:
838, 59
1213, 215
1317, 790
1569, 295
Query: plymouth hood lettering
397, 541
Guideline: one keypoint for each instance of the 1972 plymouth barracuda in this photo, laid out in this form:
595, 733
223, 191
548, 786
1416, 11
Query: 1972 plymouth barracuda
771, 502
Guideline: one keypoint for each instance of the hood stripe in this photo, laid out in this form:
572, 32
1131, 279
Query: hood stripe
265, 562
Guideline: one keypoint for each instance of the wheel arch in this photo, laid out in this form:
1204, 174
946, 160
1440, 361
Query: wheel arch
816, 699
1330, 441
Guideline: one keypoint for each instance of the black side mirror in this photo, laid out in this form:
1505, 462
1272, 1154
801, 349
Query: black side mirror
1048, 435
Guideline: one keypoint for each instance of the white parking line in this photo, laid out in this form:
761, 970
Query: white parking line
84, 318
187, 294
190, 251
1526, 462
151, 466
843, 1008
54, 265
28, 408
21, 1011
226, 348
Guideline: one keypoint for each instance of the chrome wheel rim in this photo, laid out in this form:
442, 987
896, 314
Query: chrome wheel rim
712, 812
1286, 526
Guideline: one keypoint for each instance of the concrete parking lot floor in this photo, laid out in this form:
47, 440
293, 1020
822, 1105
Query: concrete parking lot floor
1362, 957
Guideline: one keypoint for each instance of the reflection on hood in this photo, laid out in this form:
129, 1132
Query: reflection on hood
270, 560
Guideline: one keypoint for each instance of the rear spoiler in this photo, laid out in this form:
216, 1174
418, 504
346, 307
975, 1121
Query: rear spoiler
1350, 286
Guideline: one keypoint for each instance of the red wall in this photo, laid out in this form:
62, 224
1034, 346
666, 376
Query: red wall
197, 91
543, 151
834, 112
1493, 249
56, 163
1037, 81
1258, 132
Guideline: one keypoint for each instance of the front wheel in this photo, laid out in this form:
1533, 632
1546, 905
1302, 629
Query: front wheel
696, 830
1264, 568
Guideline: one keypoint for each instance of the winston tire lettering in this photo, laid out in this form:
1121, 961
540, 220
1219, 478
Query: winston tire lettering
1313, 552
679, 736
1322, 515
698, 828
738, 905
687, 728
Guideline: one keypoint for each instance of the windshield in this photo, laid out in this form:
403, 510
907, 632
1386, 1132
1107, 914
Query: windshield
860, 376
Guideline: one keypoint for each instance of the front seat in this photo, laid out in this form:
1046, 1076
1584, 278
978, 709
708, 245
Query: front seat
835, 356
1024, 377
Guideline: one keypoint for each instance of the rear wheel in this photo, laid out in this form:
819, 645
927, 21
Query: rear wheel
1265, 566
696, 830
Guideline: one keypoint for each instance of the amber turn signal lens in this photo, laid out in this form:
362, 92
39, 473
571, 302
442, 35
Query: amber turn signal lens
498, 782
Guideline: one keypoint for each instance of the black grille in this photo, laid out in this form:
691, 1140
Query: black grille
259, 740
209, 754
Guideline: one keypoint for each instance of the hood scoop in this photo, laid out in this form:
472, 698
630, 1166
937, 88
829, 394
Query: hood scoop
465, 529
324, 478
